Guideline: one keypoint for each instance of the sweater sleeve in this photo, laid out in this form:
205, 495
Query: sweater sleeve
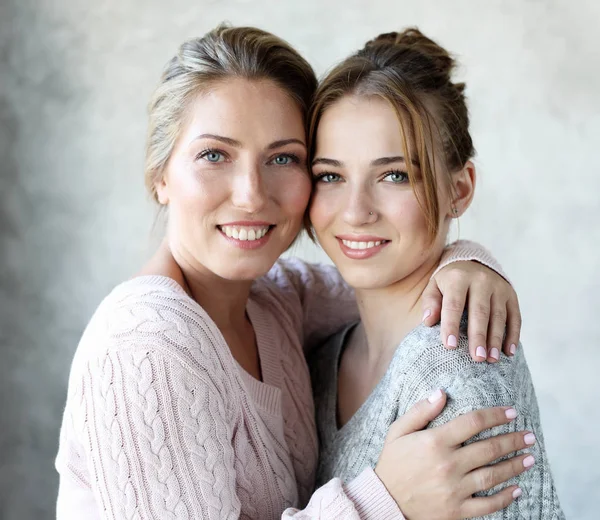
326, 302
364, 498
507, 383
157, 439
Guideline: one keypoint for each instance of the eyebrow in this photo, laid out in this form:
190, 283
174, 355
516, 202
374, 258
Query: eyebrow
238, 144
382, 161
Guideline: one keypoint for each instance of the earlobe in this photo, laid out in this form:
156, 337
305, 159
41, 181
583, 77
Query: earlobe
161, 192
464, 188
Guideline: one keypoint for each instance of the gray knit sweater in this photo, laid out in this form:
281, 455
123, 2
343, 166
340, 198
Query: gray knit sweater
420, 365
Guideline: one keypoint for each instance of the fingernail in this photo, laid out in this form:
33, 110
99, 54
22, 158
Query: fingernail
480, 352
495, 354
452, 341
426, 314
528, 461
436, 396
517, 493
529, 439
513, 349
511, 413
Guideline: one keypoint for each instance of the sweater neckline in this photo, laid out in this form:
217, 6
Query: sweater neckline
336, 430
265, 394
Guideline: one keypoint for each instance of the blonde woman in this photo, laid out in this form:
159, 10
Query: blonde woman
189, 394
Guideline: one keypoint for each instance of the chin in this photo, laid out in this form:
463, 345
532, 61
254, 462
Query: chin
367, 278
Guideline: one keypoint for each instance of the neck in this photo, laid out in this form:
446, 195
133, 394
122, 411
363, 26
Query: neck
389, 313
223, 300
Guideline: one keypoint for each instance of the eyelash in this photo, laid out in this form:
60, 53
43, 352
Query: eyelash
201, 155
321, 176
397, 172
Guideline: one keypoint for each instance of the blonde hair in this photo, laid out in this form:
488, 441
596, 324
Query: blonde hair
413, 73
222, 53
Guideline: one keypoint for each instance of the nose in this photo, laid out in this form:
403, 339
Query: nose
359, 208
249, 190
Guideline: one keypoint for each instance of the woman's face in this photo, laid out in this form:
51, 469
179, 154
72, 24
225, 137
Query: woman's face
237, 184
364, 211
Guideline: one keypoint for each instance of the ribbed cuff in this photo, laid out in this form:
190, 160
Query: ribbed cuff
465, 250
371, 500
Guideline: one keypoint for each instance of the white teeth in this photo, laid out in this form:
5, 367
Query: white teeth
361, 245
243, 233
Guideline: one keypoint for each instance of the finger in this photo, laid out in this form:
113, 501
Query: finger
419, 416
496, 328
482, 453
479, 319
486, 478
482, 506
453, 306
432, 303
513, 326
466, 426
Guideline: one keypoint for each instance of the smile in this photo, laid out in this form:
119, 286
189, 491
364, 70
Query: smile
360, 248
245, 232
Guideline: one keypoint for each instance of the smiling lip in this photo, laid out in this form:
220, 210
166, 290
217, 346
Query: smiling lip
372, 245
250, 224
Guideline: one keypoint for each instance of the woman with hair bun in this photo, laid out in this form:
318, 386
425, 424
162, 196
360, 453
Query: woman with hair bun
391, 158
189, 393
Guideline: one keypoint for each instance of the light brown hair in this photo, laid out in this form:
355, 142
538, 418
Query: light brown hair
223, 53
413, 73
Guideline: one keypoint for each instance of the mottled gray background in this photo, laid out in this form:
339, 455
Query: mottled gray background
74, 219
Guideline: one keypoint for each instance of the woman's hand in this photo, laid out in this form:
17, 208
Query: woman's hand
433, 477
492, 305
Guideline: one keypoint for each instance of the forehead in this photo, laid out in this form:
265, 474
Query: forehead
241, 109
356, 123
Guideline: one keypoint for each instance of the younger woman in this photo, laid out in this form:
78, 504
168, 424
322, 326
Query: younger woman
392, 168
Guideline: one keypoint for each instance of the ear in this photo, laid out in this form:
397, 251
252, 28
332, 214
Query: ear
162, 190
463, 189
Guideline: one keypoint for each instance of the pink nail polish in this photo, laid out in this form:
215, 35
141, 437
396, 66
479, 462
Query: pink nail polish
495, 354
517, 493
481, 352
529, 439
513, 349
528, 461
436, 396
426, 314
511, 413
452, 341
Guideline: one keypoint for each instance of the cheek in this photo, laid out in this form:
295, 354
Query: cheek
294, 194
323, 208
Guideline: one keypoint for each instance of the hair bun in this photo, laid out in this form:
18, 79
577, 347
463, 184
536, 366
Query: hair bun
412, 38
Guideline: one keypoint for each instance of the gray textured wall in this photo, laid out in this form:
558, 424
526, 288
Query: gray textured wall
74, 219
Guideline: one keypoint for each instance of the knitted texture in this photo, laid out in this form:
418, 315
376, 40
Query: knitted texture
161, 421
420, 365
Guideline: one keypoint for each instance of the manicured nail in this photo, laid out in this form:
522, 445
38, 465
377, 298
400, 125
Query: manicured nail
513, 349
426, 314
529, 439
517, 493
436, 396
528, 461
511, 413
452, 341
480, 352
495, 354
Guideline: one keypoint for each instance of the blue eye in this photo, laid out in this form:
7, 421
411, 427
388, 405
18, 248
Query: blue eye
328, 177
396, 177
285, 159
212, 156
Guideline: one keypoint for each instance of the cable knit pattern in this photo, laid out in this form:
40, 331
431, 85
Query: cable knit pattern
162, 423
420, 365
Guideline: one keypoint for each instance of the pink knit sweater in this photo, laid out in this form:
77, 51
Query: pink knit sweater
161, 422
